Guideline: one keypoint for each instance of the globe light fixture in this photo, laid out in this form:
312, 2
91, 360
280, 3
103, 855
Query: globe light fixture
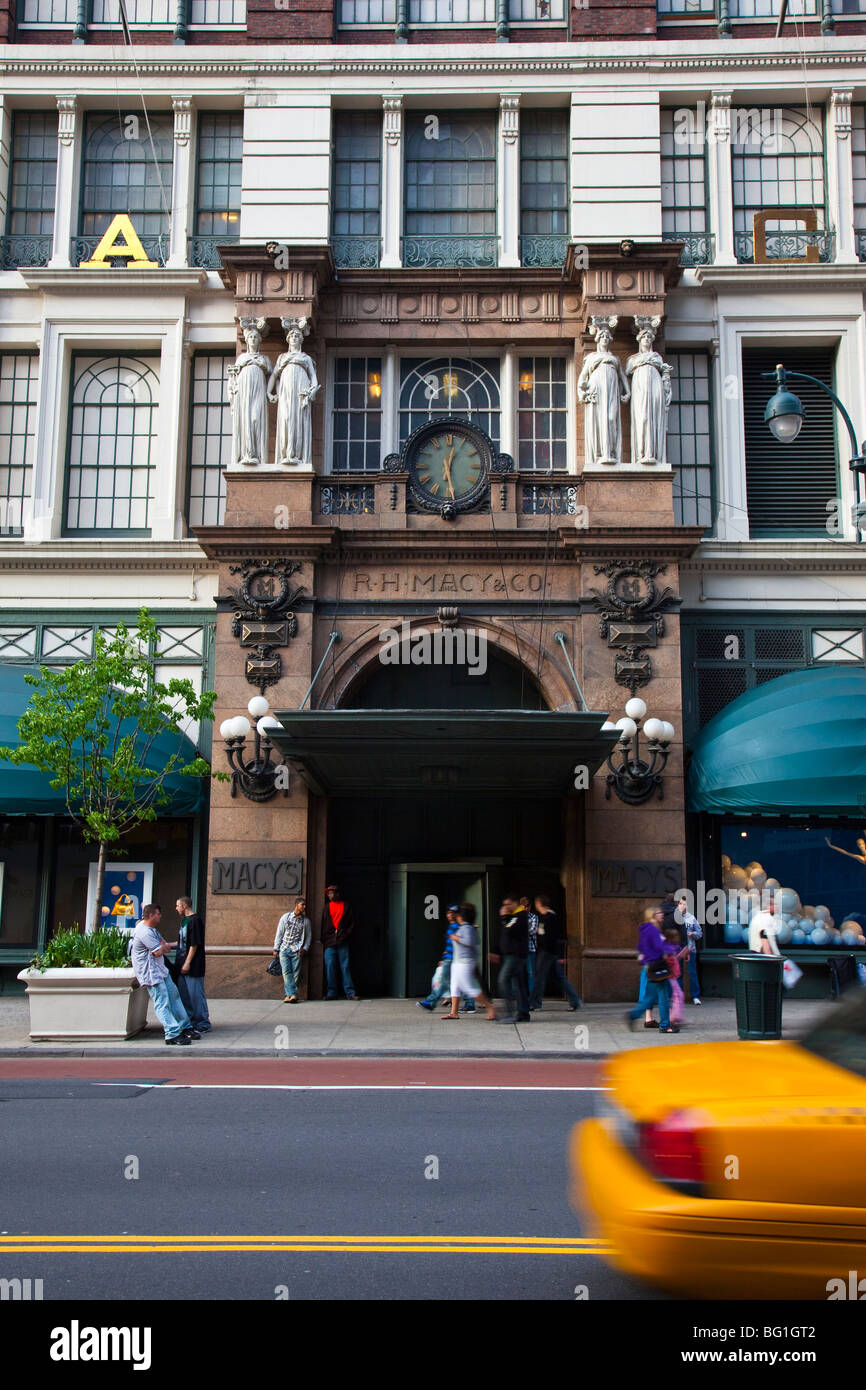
256, 776
634, 777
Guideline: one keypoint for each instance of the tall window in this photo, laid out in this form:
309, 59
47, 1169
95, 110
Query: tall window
541, 413
159, 13
123, 172
684, 187
858, 153
218, 184
450, 216
32, 190
690, 441
112, 437
210, 438
449, 386
357, 415
777, 157
356, 193
19, 381
789, 485
543, 187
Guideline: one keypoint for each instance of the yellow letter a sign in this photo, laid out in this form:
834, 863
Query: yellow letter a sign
111, 246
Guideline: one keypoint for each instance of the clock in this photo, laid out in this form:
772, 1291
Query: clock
449, 463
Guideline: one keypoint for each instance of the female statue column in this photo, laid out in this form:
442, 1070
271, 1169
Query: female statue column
601, 386
298, 388
248, 397
650, 396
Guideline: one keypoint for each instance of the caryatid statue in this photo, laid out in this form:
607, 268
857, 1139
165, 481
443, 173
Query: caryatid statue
247, 378
650, 395
601, 386
298, 388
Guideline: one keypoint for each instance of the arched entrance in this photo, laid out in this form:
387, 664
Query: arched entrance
402, 856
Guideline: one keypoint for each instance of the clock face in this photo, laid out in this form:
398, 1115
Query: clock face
448, 463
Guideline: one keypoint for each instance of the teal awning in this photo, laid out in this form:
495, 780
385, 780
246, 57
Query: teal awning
24, 790
796, 745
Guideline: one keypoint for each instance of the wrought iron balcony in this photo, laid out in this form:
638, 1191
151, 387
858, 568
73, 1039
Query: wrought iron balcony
83, 247
431, 252
548, 499
786, 246
347, 499
356, 252
861, 246
202, 250
543, 248
25, 249
699, 248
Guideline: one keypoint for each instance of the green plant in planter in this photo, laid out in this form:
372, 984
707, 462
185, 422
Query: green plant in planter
72, 948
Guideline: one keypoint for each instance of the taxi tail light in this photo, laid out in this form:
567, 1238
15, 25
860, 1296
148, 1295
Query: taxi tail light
674, 1150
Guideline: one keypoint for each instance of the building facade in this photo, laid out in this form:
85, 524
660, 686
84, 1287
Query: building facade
449, 206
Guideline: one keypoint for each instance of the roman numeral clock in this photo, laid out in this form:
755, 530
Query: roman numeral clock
449, 463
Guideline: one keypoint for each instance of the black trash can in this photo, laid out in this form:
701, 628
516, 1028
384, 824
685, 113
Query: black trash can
758, 995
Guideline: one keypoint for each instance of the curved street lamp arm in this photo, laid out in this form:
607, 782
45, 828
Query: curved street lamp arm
781, 374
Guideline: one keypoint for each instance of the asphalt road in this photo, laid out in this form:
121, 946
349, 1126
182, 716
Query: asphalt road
303, 1184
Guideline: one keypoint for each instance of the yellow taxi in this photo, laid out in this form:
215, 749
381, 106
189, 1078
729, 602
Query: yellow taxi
734, 1169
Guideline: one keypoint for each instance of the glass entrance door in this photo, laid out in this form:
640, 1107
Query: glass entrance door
419, 899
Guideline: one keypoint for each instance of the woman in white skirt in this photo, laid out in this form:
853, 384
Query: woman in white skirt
464, 966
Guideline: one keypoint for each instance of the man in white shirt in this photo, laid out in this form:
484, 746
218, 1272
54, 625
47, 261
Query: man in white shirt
149, 947
763, 930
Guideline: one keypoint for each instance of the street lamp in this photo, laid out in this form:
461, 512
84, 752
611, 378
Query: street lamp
256, 776
784, 414
634, 779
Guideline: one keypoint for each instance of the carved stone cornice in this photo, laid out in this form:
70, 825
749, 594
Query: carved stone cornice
268, 280
66, 108
719, 117
509, 118
392, 119
182, 107
840, 111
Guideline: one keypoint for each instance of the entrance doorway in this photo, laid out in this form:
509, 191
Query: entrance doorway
419, 897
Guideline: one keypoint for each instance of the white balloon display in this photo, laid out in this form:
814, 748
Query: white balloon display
850, 938
787, 900
772, 884
726, 861
759, 878
784, 934
798, 938
819, 937
823, 912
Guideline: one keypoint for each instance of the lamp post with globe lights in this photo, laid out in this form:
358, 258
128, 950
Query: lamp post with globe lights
784, 413
256, 776
635, 778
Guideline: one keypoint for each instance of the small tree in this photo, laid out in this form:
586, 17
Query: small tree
92, 727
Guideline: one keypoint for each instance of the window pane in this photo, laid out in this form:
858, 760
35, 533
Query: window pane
112, 434
355, 195
357, 415
210, 439
541, 413
690, 445
33, 175
119, 174
218, 181
19, 383
450, 173
449, 386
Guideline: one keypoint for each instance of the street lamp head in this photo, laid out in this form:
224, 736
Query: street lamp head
784, 412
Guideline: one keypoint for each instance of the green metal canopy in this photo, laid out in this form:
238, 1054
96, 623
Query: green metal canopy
795, 745
24, 790
359, 752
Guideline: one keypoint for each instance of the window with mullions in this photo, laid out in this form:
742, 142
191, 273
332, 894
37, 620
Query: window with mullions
543, 187
29, 233
218, 184
39, 12
684, 184
356, 191
683, 8
156, 13
112, 434
357, 415
449, 386
120, 174
690, 441
777, 160
210, 439
769, 9
849, 7
423, 12
858, 156
450, 189
19, 384
542, 415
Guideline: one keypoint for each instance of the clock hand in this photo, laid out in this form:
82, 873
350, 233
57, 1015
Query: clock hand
446, 465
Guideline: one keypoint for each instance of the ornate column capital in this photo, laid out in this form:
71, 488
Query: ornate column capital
392, 108
719, 122
509, 118
66, 109
182, 108
840, 111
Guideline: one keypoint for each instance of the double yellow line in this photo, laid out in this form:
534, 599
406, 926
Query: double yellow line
303, 1244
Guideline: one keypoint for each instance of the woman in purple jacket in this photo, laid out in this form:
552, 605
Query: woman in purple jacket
652, 948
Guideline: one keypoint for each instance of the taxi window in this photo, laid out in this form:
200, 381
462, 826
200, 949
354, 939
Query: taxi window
840, 1036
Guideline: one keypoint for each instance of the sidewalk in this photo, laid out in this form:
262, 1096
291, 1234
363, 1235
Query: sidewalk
395, 1027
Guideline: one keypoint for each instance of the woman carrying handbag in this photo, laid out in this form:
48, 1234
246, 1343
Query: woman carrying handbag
655, 951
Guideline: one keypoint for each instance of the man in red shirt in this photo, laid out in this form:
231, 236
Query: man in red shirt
338, 923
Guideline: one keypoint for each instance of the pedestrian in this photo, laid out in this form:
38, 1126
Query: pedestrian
338, 923
149, 949
189, 965
291, 944
440, 987
511, 958
550, 956
532, 919
694, 933
464, 966
654, 950
764, 930
678, 1001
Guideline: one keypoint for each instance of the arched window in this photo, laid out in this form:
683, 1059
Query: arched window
120, 174
112, 433
449, 386
777, 156
450, 213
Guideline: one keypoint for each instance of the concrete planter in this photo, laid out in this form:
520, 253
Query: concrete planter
85, 1004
